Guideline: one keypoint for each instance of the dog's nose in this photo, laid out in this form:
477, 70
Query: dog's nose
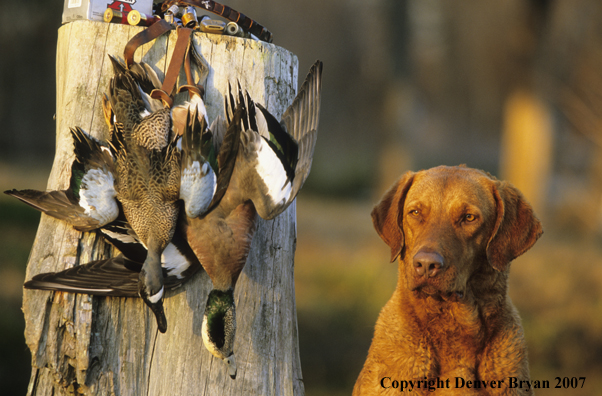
429, 263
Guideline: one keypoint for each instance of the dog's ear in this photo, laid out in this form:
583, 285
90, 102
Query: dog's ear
386, 215
516, 228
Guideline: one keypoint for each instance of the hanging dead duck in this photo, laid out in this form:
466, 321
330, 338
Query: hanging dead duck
117, 276
262, 164
142, 171
272, 161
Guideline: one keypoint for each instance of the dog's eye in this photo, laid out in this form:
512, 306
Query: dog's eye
414, 212
469, 217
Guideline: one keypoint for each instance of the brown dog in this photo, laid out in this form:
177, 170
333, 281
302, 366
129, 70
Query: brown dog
450, 327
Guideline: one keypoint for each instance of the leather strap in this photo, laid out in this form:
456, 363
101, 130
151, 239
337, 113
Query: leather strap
187, 68
191, 87
246, 23
149, 34
175, 64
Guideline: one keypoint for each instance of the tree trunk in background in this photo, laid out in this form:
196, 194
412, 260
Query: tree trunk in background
527, 144
105, 346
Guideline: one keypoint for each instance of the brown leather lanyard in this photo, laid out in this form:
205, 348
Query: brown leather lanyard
243, 21
177, 58
149, 34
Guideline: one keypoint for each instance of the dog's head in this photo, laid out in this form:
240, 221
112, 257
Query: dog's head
445, 222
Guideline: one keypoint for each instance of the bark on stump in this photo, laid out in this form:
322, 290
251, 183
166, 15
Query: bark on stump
110, 346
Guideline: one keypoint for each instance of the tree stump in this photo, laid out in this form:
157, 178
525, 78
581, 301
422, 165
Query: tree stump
110, 346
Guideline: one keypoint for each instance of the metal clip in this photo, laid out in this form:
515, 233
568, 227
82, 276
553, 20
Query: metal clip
213, 26
170, 14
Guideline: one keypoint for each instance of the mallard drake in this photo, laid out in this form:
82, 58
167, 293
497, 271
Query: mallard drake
271, 162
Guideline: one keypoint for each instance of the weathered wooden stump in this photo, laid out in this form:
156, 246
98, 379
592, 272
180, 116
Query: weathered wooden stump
111, 346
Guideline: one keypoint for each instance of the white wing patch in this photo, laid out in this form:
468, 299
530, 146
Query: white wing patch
271, 171
125, 238
97, 196
60, 286
197, 187
173, 261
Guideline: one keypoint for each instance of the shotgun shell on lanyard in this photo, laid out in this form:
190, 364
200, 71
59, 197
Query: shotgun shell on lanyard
233, 29
189, 18
112, 16
136, 18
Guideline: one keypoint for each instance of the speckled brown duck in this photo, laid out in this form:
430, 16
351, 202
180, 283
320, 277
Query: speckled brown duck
131, 190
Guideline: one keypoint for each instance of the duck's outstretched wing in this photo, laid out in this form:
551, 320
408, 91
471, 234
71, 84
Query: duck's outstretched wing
116, 276
301, 121
89, 202
178, 260
275, 157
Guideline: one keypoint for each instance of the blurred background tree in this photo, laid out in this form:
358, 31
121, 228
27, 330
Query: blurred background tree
512, 87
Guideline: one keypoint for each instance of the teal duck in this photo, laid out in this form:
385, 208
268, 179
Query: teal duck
148, 178
118, 276
89, 201
271, 162
261, 165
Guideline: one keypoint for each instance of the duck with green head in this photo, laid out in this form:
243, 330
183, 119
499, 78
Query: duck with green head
267, 163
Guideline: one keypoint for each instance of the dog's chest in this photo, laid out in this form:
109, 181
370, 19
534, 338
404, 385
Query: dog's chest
452, 336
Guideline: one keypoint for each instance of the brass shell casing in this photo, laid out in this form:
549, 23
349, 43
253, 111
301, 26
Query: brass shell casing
112, 16
189, 18
136, 18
